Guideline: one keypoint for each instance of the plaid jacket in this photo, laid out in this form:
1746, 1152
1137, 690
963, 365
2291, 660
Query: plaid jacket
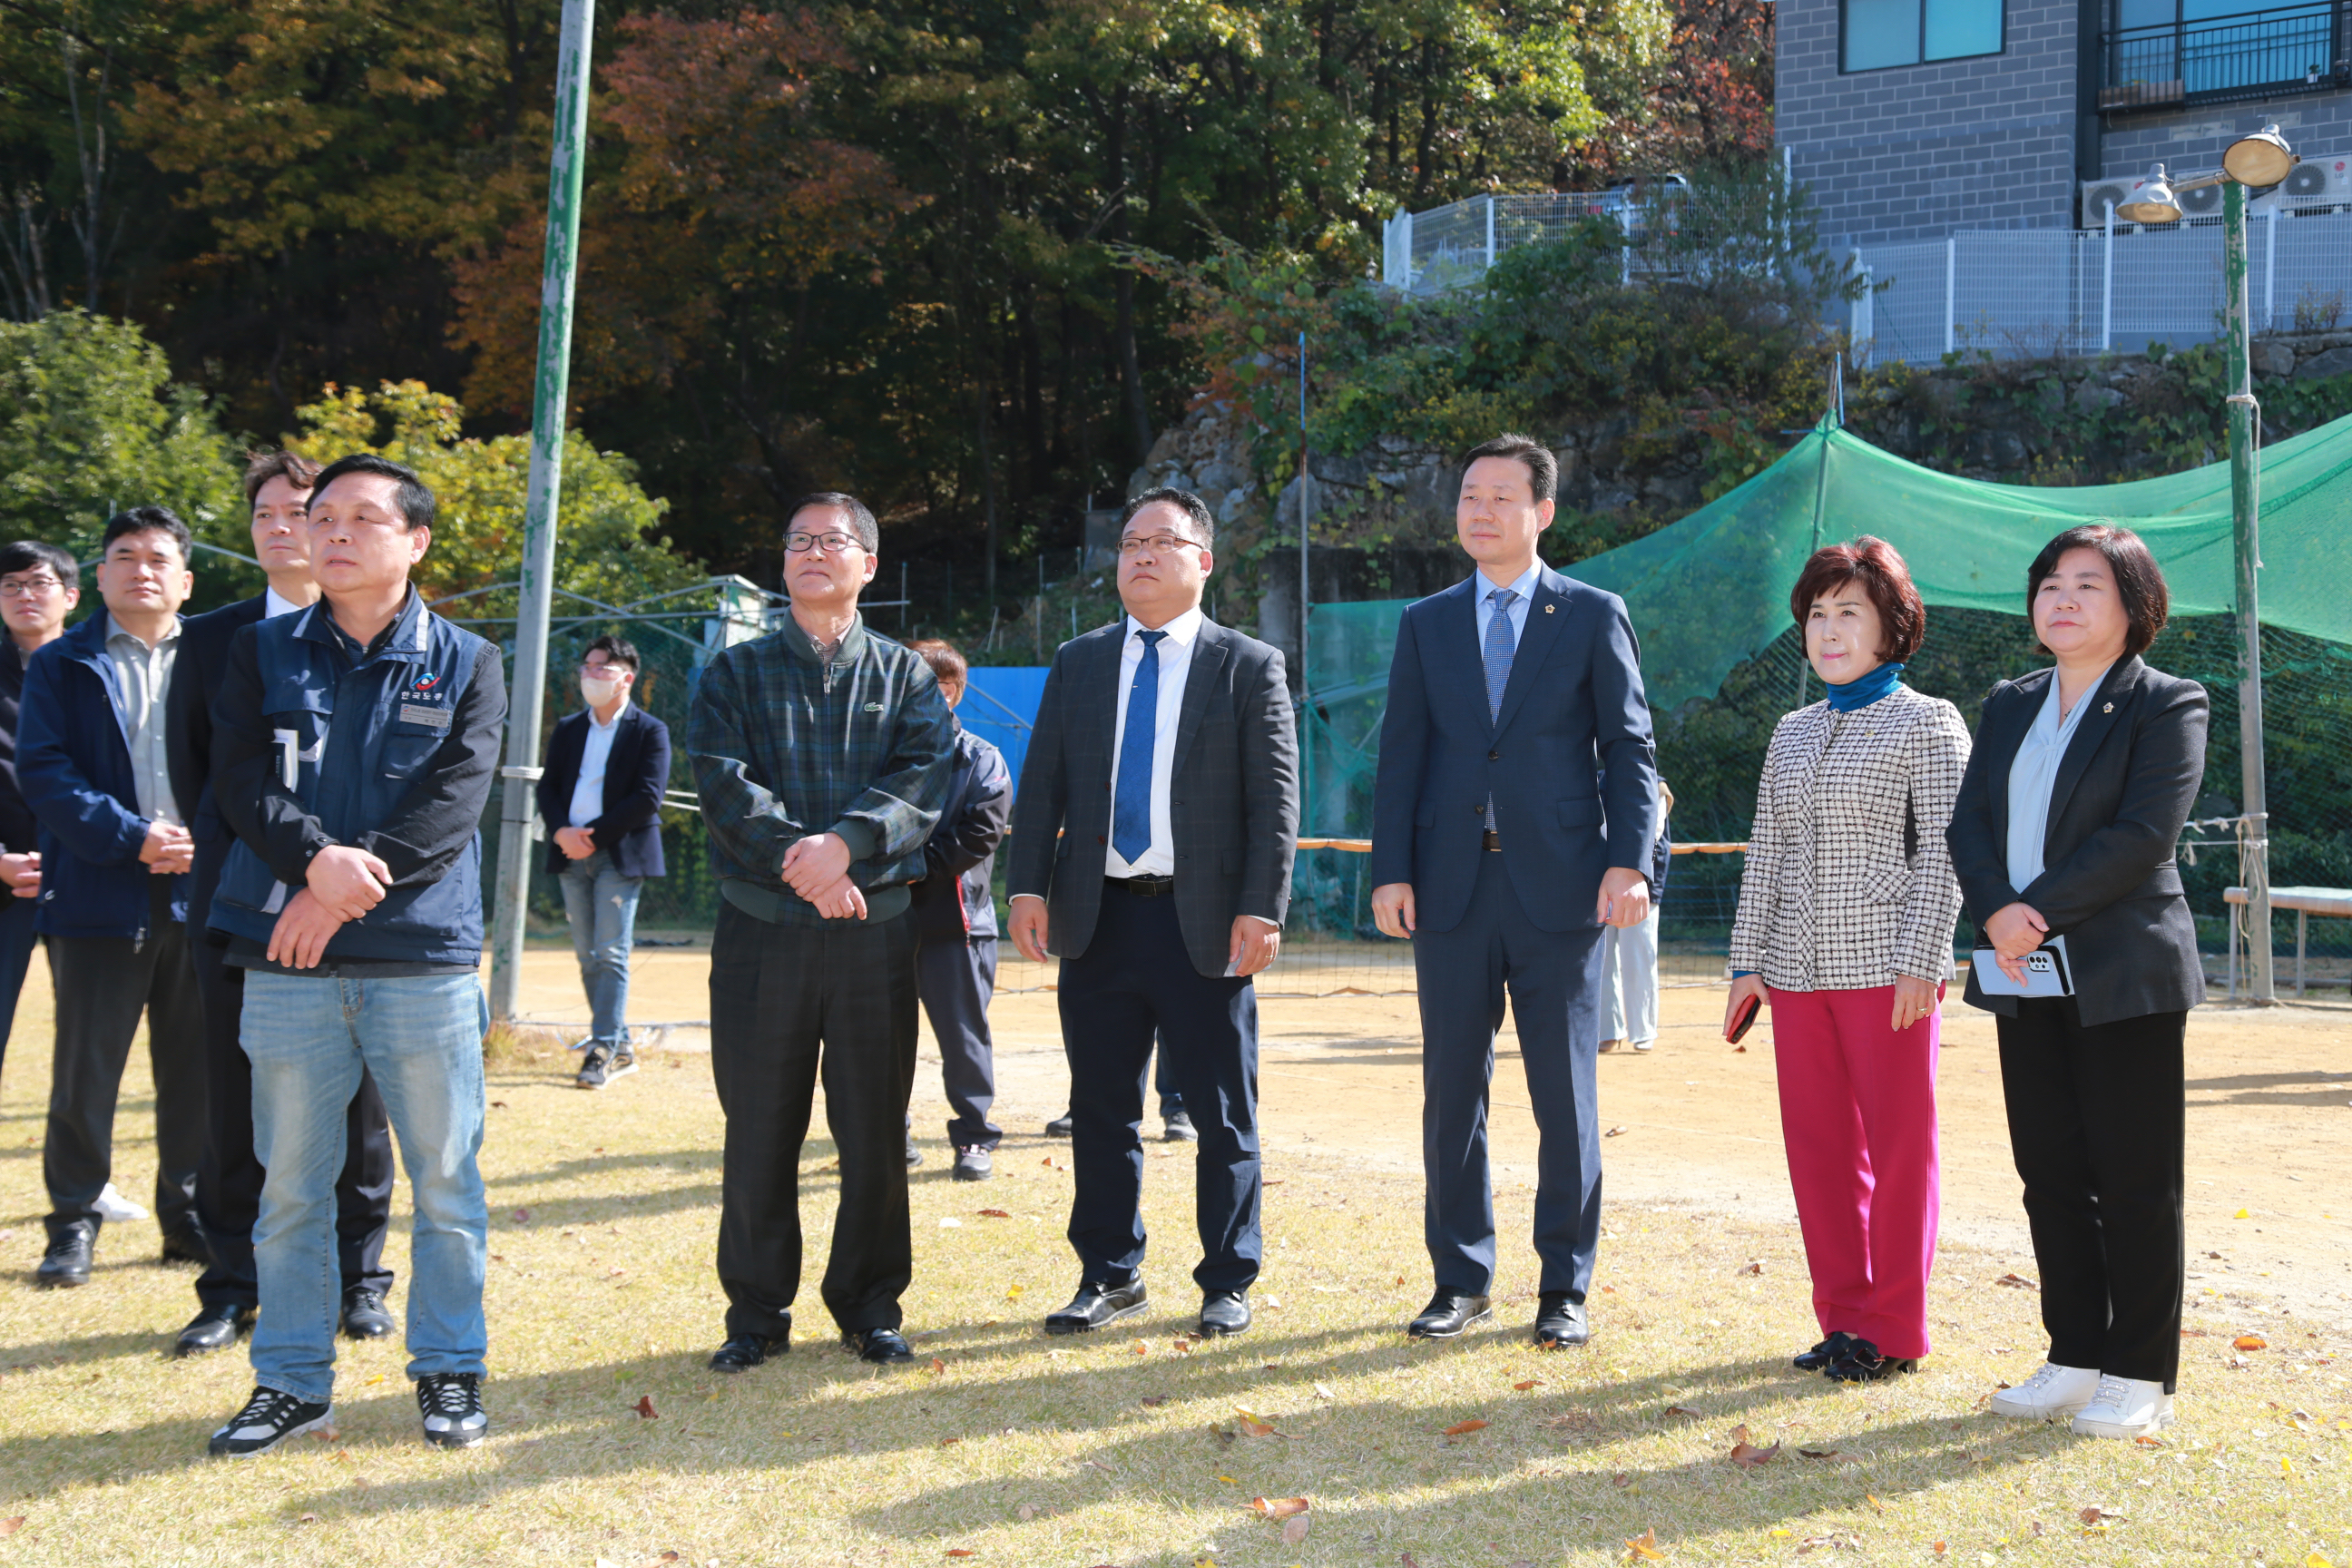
1849, 883
785, 745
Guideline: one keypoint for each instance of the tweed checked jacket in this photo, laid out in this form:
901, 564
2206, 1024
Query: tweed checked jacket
1849, 882
1233, 791
786, 744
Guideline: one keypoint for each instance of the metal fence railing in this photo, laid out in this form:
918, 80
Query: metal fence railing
2215, 59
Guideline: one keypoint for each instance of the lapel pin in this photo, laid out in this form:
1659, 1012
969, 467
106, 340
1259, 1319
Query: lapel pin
2108, 708
1548, 608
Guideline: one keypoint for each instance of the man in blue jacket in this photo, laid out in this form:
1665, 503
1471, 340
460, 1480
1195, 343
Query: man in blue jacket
91, 760
353, 745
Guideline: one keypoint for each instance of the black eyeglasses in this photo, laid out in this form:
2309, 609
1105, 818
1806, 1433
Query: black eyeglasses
831, 544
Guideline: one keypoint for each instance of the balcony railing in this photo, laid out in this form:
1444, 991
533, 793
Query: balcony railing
2214, 59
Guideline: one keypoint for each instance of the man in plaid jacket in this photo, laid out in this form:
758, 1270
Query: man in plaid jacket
821, 754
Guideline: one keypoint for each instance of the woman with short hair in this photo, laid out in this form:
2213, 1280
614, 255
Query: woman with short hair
2083, 778
1846, 910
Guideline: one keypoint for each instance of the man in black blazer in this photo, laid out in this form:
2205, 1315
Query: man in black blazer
1513, 817
601, 796
229, 1174
1151, 845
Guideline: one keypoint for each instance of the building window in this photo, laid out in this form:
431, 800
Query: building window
1876, 33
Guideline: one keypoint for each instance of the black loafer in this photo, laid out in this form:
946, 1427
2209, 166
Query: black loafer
1824, 1355
1096, 1304
188, 1245
364, 1314
1177, 1127
214, 1329
66, 1262
741, 1352
1560, 1323
1448, 1313
881, 1346
1864, 1362
1225, 1312
1059, 1127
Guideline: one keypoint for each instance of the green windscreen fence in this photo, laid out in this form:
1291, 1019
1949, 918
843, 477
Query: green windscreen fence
1708, 598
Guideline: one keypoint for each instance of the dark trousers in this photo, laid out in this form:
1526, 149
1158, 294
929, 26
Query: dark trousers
790, 1005
2097, 1124
230, 1175
103, 984
1133, 980
1554, 981
16, 940
956, 978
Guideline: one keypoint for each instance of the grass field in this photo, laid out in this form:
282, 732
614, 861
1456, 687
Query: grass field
1141, 1448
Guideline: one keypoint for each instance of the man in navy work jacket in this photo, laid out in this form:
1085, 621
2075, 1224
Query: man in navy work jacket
114, 858
228, 1177
1497, 848
601, 799
353, 747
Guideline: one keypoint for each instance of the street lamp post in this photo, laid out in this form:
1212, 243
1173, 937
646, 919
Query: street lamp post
2260, 160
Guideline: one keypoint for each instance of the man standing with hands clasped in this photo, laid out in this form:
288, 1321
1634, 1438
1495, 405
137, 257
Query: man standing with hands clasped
1151, 845
1498, 850
820, 754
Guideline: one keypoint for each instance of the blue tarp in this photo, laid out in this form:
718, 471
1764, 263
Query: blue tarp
1001, 705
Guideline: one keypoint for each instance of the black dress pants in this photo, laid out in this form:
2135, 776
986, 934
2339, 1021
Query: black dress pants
956, 978
790, 1005
1134, 979
103, 984
2097, 1124
230, 1175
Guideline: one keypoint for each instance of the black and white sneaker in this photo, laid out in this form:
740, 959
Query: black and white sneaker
268, 1419
596, 1070
624, 1063
452, 1403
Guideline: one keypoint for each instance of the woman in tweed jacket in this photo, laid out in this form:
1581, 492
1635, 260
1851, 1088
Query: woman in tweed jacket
1846, 912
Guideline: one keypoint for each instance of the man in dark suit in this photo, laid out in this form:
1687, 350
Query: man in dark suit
230, 1175
1151, 845
1499, 850
39, 586
601, 799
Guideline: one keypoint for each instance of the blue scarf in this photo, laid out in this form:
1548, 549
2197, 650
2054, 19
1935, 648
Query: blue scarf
1864, 690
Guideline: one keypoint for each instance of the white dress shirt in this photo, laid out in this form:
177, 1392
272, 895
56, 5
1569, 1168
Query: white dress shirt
275, 603
1175, 664
596, 755
2033, 775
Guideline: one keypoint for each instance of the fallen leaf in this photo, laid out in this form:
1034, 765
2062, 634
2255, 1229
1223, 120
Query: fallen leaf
949, 1442
1295, 1528
1753, 1266
1817, 1453
2242, 1213
937, 1366
1875, 1501
1027, 1510
1405, 1559
1620, 1479
2146, 1442
1276, 1508
1462, 1428
994, 1214
2313, 1560
961, 1552
1739, 1433
1748, 1456
1643, 1548
1142, 1349
1154, 1401
948, 1221
1250, 1428
644, 1408
1939, 1547
1615, 1132
522, 1213
2017, 1282
1013, 1294
497, 1105
15, 1522
1323, 1393
1679, 1410
306, 1518
1532, 1383
2094, 1515
2249, 1342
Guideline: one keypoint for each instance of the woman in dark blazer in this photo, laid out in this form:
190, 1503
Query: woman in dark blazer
2075, 794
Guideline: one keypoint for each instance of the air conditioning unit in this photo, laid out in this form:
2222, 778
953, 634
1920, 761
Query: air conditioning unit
2317, 182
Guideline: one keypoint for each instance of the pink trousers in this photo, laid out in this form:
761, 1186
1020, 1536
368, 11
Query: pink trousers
1858, 1113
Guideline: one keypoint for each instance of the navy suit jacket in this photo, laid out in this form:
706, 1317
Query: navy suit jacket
1573, 710
635, 774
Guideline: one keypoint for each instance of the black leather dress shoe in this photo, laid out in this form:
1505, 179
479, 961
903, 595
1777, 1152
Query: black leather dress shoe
1059, 1127
1864, 1362
1095, 1304
1560, 1321
1447, 1315
66, 1262
1225, 1312
364, 1314
881, 1346
741, 1352
1822, 1356
186, 1246
214, 1329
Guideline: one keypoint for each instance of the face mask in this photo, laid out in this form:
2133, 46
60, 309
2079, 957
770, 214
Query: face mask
598, 688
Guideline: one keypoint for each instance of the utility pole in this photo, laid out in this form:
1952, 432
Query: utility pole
549, 403
2245, 515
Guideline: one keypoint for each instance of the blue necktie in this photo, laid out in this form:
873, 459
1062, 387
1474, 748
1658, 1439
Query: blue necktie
1130, 821
1500, 645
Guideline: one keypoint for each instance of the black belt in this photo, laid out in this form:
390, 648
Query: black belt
1493, 840
1142, 887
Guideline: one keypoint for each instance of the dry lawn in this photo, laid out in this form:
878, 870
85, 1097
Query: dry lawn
612, 1442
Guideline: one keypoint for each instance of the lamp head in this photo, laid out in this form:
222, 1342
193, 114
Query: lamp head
2154, 202
2261, 159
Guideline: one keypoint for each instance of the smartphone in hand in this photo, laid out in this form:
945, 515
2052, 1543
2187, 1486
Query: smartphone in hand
1744, 1022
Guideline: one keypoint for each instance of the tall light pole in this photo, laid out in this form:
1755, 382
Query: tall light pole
548, 400
2259, 160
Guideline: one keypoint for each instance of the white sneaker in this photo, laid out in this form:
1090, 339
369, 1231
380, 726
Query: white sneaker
2051, 1395
2124, 1408
114, 1208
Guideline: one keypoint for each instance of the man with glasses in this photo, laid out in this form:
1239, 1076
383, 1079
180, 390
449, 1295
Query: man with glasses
115, 852
822, 756
1151, 843
230, 1177
39, 586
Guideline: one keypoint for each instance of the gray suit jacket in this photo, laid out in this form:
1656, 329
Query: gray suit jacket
1233, 798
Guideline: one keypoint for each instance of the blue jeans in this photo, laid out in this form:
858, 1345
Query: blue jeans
422, 1040
602, 905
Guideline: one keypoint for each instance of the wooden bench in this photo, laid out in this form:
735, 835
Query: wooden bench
2306, 902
